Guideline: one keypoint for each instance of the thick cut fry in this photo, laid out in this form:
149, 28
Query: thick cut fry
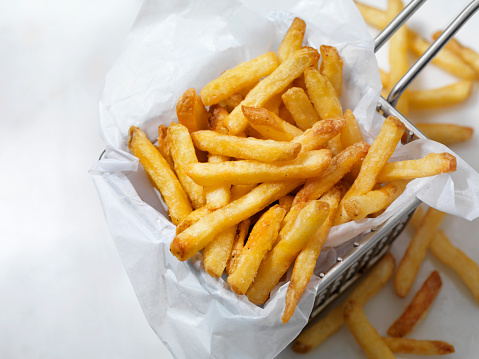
272, 105
217, 116
334, 320
365, 334
246, 148
418, 347
431, 165
217, 196
191, 112
239, 77
351, 133
277, 262
269, 125
300, 108
192, 218
361, 206
373, 16
415, 252
160, 174
197, 236
308, 164
163, 146
340, 165
238, 244
218, 251
417, 309
322, 94
183, 154
318, 135
231, 102
285, 114
446, 96
260, 241
332, 67
446, 133
306, 260
293, 40
272, 85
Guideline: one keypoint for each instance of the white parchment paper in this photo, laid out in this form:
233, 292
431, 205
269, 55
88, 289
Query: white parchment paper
176, 45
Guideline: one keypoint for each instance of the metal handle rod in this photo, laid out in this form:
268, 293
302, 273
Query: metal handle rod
398, 21
429, 54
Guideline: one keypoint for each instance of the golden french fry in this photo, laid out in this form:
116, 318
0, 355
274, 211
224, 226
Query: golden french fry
160, 174
293, 40
373, 16
273, 104
245, 147
217, 253
334, 320
163, 145
231, 102
285, 114
239, 77
278, 260
191, 112
446, 133
322, 94
318, 135
271, 85
340, 165
445, 96
431, 165
192, 218
289, 219
308, 164
418, 347
350, 134
217, 116
217, 196
183, 154
300, 108
332, 67
197, 236
286, 202
415, 252
238, 244
260, 241
240, 190
306, 261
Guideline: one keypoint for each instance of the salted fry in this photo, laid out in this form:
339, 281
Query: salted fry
410, 263
163, 145
300, 108
332, 67
269, 125
245, 148
217, 253
278, 260
446, 133
260, 241
308, 164
160, 174
322, 94
192, 218
239, 77
273, 84
373, 16
183, 154
319, 135
238, 245
417, 309
445, 96
293, 40
418, 347
191, 111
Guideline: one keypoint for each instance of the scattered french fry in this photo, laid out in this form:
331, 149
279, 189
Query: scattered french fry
445, 96
292, 41
191, 111
373, 16
418, 347
446, 133
332, 67
300, 108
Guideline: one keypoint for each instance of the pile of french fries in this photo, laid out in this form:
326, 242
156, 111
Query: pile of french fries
257, 180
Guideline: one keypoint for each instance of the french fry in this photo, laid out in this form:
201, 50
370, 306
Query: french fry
373, 16
217, 116
446, 133
318, 135
350, 134
272, 105
245, 148
417, 309
197, 236
239, 77
238, 244
322, 94
334, 320
238, 191
278, 260
160, 174
415, 252
293, 40
332, 67
217, 253
271, 85
418, 347
217, 196
306, 261
300, 108
445, 96
191, 111
269, 125
285, 114
260, 241
163, 146
183, 154
192, 218
286, 202
231, 102
308, 164
365, 334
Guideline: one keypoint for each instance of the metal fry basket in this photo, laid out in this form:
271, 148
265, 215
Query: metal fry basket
371, 248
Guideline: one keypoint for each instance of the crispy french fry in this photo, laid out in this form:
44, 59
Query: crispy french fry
231, 102
183, 154
373, 16
272, 105
260, 241
308, 164
293, 40
160, 174
239, 77
217, 196
322, 94
238, 244
285, 114
410, 263
332, 67
217, 116
278, 260
300, 108
318, 135
192, 218
163, 145
306, 261
273, 84
445, 96
217, 253
417, 309
418, 347
334, 320
246, 148
191, 112
446, 133
197, 236
240, 190
350, 134
286, 202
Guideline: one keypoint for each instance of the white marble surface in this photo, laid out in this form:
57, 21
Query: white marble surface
63, 290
